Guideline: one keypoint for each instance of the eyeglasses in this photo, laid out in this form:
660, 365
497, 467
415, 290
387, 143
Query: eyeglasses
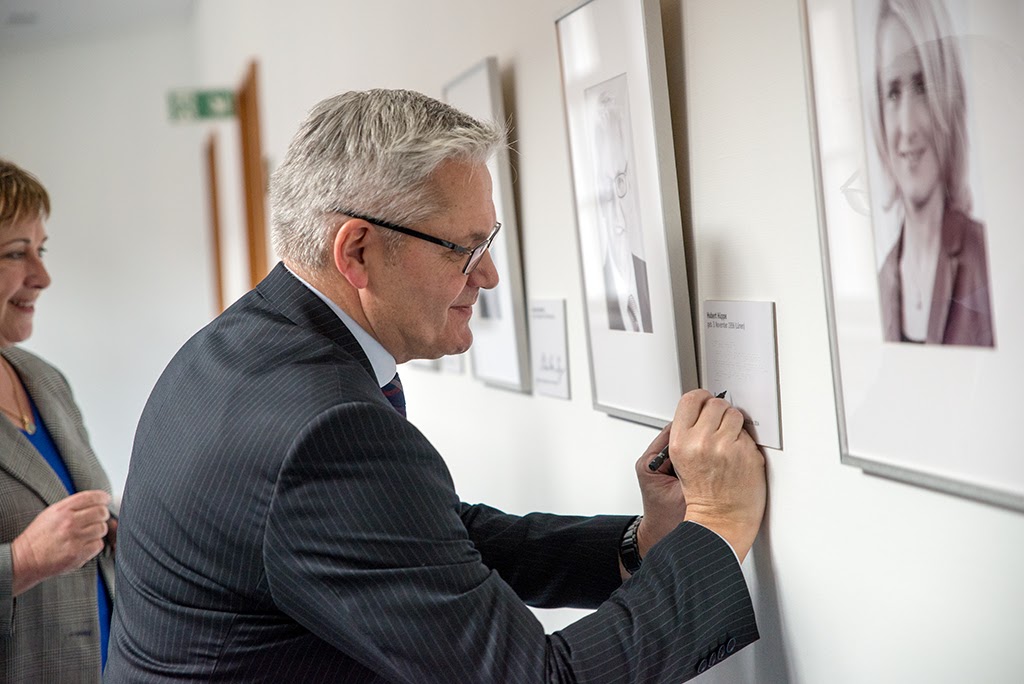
475, 254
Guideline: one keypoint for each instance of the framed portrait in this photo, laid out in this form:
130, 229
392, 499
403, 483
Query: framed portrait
629, 227
500, 355
919, 152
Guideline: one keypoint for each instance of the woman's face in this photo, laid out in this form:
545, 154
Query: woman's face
906, 117
22, 278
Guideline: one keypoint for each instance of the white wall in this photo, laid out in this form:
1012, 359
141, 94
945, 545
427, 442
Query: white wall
856, 579
128, 250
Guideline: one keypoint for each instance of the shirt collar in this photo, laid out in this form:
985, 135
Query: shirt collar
383, 363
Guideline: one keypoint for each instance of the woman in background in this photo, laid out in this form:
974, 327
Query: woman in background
934, 281
56, 536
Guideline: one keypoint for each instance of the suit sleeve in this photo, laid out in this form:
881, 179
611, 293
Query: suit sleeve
550, 561
365, 547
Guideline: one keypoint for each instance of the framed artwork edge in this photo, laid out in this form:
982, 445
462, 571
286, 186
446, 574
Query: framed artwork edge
906, 475
671, 228
935, 483
502, 185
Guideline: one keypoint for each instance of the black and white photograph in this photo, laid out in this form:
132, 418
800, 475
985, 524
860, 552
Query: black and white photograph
933, 278
916, 106
618, 214
628, 218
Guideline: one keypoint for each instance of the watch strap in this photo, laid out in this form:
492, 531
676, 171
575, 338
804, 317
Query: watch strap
629, 551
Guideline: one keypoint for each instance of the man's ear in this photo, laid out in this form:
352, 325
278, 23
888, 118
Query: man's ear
349, 251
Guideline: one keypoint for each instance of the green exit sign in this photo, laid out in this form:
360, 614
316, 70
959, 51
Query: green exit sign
200, 104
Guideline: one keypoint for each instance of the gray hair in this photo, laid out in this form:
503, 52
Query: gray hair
372, 152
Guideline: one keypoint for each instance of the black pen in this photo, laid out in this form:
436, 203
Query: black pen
658, 460
663, 454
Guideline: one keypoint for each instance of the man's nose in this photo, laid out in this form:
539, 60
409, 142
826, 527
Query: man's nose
485, 274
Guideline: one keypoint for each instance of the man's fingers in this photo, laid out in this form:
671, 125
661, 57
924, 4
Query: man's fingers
689, 408
732, 422
711, 415
661, 463
657, 444
643, 464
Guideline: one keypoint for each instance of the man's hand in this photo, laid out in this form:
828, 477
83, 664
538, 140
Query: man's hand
720, 469
62, 538
663, 500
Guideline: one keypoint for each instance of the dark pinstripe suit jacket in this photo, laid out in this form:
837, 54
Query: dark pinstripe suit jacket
282, 523
51, 632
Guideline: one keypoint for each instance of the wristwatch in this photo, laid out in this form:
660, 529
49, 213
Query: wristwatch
629, 552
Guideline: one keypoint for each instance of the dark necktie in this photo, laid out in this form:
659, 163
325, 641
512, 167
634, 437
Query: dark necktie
393, 392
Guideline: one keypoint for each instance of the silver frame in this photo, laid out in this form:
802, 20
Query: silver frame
907, 475
655, 80
484, 75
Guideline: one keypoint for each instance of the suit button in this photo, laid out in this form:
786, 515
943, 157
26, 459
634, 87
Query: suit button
703, 665
730, 647
713, 658
722, 652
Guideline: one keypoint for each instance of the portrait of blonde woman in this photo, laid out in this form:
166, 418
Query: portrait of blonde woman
934, 280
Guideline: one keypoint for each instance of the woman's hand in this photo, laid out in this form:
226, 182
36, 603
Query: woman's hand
64, 537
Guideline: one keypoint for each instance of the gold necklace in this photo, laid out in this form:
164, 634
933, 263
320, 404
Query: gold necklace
26, 420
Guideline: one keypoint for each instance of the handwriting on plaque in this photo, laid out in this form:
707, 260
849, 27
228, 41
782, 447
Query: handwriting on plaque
740, 356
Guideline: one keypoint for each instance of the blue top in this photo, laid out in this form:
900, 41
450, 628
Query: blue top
43, 443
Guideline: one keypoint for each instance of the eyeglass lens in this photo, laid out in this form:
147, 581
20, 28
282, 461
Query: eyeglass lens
479, 251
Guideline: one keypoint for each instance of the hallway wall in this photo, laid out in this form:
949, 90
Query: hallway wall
856, 579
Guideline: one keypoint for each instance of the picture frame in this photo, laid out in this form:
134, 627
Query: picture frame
925, 391
500, 354
629, 225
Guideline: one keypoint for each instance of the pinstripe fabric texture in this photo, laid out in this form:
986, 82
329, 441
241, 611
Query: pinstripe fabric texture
283, 523
50, 633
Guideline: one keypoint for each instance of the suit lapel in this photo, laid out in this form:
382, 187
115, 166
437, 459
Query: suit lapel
945, 277
22, 460
85, 470
891, 294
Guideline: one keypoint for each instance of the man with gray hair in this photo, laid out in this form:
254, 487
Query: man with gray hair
283, 521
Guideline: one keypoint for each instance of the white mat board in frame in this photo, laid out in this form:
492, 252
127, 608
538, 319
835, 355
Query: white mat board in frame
629, 227
940, 414
500, 355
